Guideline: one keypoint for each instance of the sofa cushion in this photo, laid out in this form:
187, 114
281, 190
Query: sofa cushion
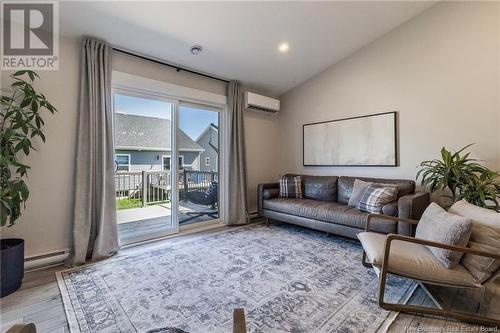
358, 189
345, 186
437, 225
413, 261
377, 196
291, 187
331, 212
323, 188
485, 236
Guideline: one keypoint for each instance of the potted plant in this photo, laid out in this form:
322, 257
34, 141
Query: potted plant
21, 122
463, 177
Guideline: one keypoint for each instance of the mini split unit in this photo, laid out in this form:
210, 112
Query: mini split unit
255, 102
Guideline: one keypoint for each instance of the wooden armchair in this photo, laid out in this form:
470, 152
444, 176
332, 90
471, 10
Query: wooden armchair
409, 257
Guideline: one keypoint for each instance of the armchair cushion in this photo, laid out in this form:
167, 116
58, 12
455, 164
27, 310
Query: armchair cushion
414, 261
485, 236
439, 226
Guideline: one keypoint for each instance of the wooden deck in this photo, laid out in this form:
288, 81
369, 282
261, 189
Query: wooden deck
156, 219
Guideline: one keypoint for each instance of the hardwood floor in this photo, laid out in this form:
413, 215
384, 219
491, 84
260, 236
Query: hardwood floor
39, 302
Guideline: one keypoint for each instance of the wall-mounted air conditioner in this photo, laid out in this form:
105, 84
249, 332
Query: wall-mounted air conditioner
256, 102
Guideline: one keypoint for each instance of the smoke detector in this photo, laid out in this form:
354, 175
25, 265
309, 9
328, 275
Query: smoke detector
196, 49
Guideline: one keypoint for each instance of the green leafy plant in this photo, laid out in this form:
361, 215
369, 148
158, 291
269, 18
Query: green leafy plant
464, 177
21, 123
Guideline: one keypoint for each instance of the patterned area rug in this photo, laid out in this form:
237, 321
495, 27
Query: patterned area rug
288, 279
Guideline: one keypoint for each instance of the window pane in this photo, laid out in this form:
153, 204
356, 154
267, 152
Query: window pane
143, 181
122, 159
199, 146
166, 163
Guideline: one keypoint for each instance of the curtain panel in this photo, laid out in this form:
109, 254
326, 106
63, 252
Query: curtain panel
237, 177
95, 234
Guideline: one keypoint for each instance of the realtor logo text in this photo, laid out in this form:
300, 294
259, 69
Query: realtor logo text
30, 38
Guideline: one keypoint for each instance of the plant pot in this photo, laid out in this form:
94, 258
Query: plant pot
12, 265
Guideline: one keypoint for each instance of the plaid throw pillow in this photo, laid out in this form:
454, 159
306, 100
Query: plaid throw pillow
291, 187
377, 196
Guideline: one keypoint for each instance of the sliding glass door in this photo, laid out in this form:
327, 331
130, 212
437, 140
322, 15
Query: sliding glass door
155, 195
198, 143
144, 181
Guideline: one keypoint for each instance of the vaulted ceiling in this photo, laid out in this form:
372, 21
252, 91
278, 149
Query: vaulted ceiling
240, 39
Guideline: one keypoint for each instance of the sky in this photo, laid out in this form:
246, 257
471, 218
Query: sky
191, 120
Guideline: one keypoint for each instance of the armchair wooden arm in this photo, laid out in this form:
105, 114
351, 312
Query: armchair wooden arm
389, 218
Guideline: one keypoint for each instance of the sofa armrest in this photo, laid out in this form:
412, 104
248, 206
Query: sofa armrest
260, 192
412, 207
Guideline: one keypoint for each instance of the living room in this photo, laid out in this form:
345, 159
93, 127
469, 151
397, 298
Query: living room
291, 124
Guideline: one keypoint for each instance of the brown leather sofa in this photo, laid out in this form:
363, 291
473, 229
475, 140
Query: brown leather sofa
324, 206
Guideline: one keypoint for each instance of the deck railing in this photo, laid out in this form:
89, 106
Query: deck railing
142, 188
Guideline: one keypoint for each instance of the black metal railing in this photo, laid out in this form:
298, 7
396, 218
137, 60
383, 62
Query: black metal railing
142, 188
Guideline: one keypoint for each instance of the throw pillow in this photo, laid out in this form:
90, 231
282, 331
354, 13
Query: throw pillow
437, 225
377, 196
358, 189
291, 187
485, 236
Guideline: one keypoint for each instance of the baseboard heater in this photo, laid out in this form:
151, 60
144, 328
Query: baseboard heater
45, 260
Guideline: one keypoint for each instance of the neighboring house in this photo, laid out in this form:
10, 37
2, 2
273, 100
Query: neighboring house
209, 141
143, 144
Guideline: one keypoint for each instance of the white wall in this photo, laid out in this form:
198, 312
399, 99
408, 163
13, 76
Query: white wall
262, 135
46, 223
440, 71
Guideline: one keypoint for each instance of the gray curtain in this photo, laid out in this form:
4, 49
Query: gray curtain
238, 213
95, 234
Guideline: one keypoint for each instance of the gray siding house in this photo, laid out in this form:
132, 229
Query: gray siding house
143, 144
209, 141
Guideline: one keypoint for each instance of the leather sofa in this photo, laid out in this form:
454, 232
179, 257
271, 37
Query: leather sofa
324, 205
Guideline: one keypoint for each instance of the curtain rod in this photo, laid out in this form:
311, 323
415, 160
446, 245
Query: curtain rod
177, 68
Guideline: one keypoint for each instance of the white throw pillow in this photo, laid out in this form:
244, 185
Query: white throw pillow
485, 236
439, 226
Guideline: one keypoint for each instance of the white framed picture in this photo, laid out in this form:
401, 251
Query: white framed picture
358, 141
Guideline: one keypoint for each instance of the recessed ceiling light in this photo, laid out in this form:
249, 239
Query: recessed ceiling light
284, 47
196, 49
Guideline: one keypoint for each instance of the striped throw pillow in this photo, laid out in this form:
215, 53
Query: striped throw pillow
291, 187
377, 196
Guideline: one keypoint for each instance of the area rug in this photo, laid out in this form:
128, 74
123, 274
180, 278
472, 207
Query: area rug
288, 279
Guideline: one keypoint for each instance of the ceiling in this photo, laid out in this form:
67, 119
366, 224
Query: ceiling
240, 39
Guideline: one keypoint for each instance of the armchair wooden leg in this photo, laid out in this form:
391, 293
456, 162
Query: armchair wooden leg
267, 221
413, 309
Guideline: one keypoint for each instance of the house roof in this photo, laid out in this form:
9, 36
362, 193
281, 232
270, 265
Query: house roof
148, 133
210, 127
